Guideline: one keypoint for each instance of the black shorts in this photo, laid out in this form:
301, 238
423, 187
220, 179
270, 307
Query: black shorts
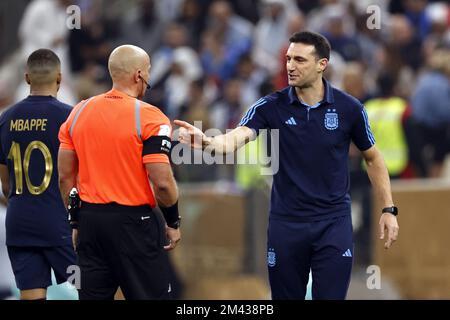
121, 246
32, 265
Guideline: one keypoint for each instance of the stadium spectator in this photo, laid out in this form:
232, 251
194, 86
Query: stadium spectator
430, 104
43, 25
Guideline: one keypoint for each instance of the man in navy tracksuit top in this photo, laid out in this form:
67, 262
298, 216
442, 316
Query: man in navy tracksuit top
310, 225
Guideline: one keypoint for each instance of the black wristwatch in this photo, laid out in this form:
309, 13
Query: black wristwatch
393, 210
176, 224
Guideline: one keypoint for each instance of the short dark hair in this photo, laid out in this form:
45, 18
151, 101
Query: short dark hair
320, 43
42, 65
43, 59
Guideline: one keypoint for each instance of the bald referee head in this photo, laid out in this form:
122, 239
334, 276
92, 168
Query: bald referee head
43, 73
129, 67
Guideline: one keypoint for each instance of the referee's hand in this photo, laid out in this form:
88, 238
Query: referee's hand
174, 236
388, 222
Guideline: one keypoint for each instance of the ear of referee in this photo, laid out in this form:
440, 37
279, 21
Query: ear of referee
115, 150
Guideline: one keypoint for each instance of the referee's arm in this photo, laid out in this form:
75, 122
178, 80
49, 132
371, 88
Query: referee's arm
67, 171
166, 193
163, 182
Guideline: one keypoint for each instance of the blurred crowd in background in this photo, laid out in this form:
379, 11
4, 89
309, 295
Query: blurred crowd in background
212, 59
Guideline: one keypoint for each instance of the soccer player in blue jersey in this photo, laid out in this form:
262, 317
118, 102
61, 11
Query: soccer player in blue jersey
38, 235
310, 226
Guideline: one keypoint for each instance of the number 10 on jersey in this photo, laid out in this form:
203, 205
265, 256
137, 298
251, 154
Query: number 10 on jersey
19, 169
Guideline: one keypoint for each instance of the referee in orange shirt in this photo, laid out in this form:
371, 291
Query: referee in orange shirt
112, 145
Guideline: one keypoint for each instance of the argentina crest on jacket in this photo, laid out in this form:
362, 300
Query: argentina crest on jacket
331, 119
271, 258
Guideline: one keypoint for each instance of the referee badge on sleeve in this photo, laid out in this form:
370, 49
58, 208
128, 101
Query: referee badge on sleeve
166, 144
157, 144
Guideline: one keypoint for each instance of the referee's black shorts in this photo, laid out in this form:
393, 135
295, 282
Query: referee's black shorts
121, 246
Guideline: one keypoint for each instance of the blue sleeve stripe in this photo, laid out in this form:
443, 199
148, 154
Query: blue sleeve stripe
251, 112
367, 125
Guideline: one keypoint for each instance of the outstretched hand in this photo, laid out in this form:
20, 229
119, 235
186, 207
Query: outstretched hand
190, 135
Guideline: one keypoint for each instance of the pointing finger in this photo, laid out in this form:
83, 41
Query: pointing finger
182, 124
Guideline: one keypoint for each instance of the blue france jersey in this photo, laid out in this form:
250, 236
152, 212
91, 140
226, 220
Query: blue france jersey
312, 182
29, 147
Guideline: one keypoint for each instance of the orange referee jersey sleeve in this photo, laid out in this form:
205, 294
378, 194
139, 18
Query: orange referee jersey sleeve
156, 132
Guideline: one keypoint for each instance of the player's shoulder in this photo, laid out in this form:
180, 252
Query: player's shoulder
264, 102
275, 96
152, 113
281, 96
63, 107
9, 111
345, 99
4, 116
54, 110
